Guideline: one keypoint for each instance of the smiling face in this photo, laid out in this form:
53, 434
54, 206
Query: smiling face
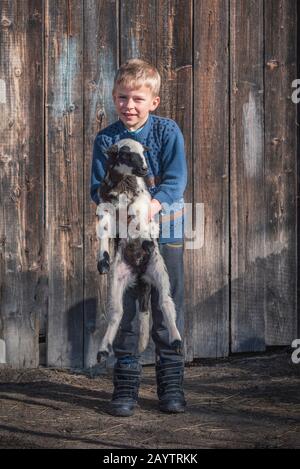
134, 104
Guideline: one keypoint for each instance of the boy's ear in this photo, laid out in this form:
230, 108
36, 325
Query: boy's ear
155, 103
112, 152
146, 148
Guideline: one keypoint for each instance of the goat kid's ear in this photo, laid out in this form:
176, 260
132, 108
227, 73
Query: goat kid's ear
125, 149
112, 152
146, 148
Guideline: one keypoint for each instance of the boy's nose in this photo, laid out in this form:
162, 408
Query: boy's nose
130, 104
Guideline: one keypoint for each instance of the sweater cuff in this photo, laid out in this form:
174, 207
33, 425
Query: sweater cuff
163, 197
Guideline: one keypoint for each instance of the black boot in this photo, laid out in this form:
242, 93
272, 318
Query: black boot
169, 378
126, 386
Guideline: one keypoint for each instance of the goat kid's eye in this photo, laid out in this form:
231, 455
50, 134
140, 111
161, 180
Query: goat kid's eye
123, 158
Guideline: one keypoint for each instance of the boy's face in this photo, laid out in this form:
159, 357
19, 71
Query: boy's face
134, 104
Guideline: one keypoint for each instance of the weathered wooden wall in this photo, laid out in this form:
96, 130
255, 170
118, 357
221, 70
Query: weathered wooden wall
227, 69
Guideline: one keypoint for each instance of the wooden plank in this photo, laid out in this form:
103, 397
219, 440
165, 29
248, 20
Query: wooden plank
174, 62
21, 183
138, 30
280, 171
210, 295
101, 62
298, 177
247, 177
64, 181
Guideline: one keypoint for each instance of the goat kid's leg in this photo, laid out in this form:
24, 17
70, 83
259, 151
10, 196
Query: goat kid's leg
144, 291
121, 278
104, 232
159, 277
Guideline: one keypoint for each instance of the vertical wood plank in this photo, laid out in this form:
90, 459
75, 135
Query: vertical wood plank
210, 170
280, 171
247, 177
174, 62
21, 182
64, 181
298, 177
100, 65
138, 30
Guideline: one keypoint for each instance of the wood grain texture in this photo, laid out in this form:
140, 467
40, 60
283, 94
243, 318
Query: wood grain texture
280, 171
247, 177
138, 27
210, 290
21, 183
298, 178
64, 181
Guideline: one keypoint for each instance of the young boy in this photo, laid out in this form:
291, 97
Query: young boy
135, 95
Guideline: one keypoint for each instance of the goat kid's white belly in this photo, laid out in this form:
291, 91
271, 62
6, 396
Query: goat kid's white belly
113, 221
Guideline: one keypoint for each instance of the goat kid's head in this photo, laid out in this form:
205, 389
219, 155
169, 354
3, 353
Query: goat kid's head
127, 157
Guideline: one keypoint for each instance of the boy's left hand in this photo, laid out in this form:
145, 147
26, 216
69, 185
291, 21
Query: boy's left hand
155, 207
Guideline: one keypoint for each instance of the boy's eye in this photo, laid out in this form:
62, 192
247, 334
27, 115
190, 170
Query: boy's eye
136, 99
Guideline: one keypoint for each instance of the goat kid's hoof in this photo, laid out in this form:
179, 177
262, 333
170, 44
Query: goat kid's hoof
104, 353
177, 346
103, 267
148, 246
101, 355
103, 264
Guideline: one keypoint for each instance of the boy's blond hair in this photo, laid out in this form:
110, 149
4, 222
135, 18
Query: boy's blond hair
136, 73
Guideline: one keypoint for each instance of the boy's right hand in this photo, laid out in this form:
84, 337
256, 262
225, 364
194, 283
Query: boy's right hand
155, 207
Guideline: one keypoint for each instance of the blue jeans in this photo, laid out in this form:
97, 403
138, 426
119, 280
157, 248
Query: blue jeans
126, 343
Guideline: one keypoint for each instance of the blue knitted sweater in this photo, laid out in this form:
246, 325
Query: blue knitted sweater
167, 172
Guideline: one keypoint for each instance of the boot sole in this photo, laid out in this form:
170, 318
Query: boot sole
118, 412
173, 409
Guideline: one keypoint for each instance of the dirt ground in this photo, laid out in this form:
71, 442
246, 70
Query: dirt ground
242, 402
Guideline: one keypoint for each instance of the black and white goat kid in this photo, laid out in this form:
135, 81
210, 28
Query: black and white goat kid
138, 262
